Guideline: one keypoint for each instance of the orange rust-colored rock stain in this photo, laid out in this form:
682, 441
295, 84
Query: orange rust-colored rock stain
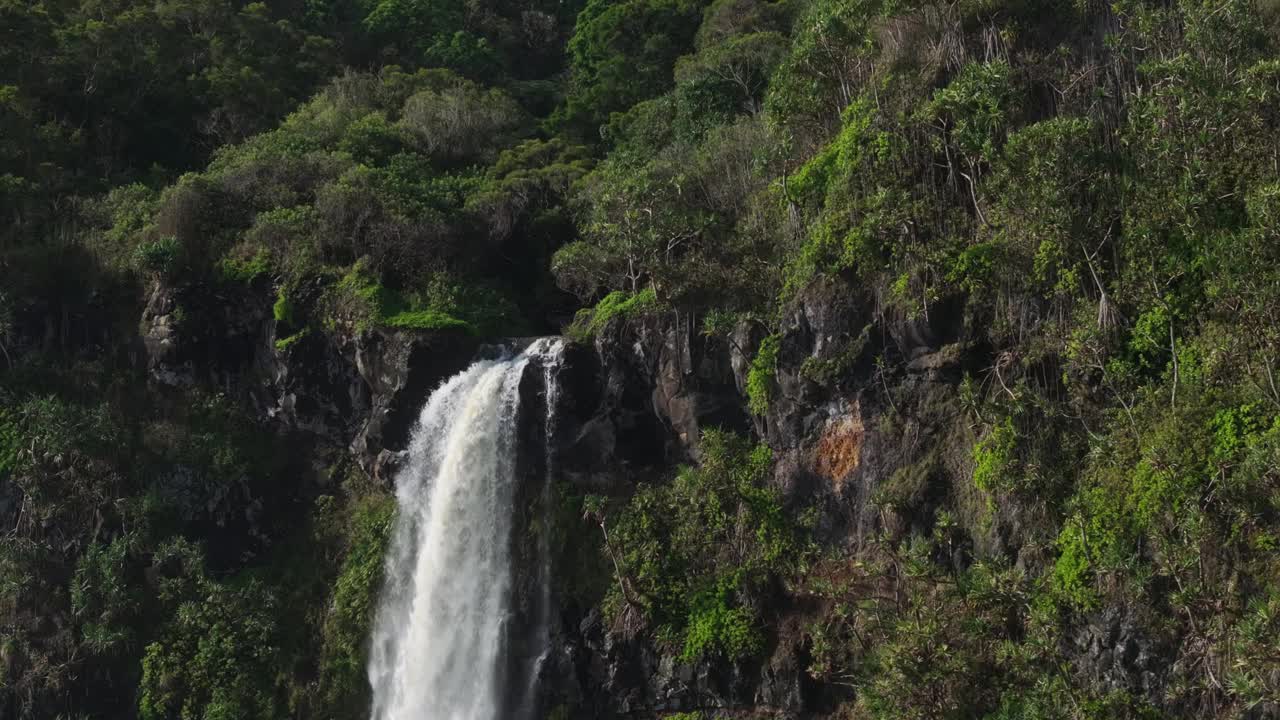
839, 449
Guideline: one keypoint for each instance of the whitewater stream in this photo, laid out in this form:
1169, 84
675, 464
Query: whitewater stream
442, 632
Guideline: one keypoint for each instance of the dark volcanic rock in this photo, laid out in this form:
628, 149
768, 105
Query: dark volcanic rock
629, 409
399, 370
361, 390
864, 422
202, 334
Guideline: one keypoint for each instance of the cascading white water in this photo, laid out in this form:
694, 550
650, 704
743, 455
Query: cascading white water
439, 637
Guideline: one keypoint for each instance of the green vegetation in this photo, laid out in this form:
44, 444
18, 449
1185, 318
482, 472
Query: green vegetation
346, 629
1080, 200
283, 311
1110, 248
245, 270
617, 305
159, 257
360, 301
217, 657
284, 343
991, 457
692, 554
613, 65
760, 378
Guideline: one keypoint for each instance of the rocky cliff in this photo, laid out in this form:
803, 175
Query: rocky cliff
866, 422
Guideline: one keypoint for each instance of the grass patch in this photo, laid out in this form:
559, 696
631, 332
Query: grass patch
617, 304
428, 319
283, 344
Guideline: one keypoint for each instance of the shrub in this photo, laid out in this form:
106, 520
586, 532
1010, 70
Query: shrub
944, 643
283, 310
244, 266
463, 122
158, 257
104, 597
359, 299
858, 198
218, 656
994, 459
762, 375
979, 103
346, 629
371, 139
128, 211
693, 551
718, 626
10, 442
582, 268
444, 303
617, 305
284, 239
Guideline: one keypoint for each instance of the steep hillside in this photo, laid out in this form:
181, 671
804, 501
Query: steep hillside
922, 355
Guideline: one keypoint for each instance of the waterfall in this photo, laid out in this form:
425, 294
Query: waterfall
440, 637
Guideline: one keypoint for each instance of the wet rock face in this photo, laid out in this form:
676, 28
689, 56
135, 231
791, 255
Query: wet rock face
694, 384
629, 409
872, 450
531, 621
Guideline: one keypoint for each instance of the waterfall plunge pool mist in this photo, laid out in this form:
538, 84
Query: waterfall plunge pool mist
441, 640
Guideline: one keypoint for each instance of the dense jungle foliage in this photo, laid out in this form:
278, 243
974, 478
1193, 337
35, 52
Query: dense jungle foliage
1095, 186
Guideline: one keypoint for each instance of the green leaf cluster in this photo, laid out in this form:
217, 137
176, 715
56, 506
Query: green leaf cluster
697, 553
